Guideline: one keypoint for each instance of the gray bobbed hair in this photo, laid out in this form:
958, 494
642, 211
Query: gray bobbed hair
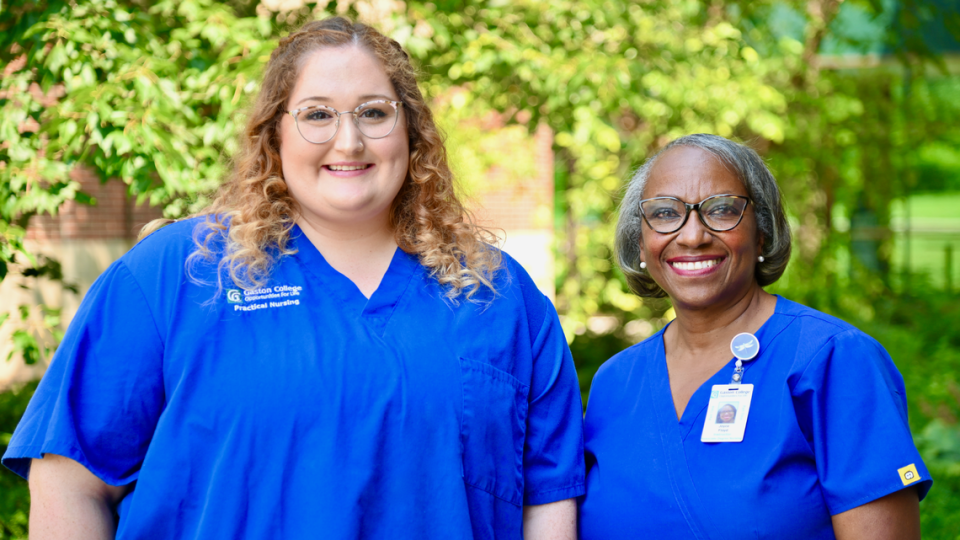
761, 187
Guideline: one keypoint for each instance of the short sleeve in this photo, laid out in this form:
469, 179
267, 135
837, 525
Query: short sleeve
852, 409
101, 397
553, 464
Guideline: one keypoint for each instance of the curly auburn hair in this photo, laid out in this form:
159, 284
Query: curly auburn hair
254, 212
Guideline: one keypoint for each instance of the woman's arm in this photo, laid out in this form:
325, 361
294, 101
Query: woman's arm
69, 502
552, 521
894, 517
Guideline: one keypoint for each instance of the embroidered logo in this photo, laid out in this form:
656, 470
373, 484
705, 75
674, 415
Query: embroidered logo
908, 474
264, 297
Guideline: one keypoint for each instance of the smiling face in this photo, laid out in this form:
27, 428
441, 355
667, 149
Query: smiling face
727, 414
350, 180
699, 268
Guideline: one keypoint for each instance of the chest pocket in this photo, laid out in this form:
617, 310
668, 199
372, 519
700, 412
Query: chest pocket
492, 430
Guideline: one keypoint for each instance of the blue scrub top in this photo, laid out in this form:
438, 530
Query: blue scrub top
303, 409
827, 431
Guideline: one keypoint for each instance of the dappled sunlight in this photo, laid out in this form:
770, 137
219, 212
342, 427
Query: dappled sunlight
547, 108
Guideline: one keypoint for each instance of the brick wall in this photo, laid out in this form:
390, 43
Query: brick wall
526, 205
85, 239
522, 212
115, 214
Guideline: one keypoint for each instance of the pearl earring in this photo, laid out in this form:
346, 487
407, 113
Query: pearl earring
643, 264
760, 258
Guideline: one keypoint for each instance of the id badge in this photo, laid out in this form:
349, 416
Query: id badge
727, 413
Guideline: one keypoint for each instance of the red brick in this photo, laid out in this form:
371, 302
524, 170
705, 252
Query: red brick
115, 214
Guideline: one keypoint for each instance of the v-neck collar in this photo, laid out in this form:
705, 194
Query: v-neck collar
376, 310
700, 399
678, 471
673, 433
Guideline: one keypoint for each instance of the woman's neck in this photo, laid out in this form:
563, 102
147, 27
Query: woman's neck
697, 343
703, 329
360, 251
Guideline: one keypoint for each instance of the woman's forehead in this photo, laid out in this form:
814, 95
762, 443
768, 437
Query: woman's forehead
344, 75
691, 174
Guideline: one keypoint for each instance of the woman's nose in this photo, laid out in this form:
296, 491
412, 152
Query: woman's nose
693, 233
348, 139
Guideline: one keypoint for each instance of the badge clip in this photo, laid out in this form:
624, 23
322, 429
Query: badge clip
745, 347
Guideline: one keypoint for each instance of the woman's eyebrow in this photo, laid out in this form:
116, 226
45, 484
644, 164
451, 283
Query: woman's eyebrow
365, 97
313, 98
368, 97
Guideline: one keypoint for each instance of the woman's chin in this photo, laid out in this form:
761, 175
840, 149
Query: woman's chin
349, 211
695, 291
695, 298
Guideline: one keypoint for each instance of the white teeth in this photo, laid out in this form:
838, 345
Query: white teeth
346, 167
698, 265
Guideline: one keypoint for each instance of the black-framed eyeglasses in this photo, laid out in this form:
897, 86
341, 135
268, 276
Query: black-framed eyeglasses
318, 124
718, 213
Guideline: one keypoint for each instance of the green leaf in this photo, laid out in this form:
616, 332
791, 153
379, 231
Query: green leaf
26, 344
84, 198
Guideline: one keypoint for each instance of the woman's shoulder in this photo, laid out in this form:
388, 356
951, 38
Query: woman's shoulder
170, 244
633, 357
790, 308
819, 326
175, 232
819, 340
511, 284
514, 288
511, 274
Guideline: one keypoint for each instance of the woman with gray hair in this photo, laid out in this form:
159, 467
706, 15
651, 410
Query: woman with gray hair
820, 446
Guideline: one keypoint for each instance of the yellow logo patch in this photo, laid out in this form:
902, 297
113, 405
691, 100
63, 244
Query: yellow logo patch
908, 474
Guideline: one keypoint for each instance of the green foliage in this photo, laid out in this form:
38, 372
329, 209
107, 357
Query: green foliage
939, 519
153, 93
149, 93
36, 338
485, 154
919, 331
14, 495
615, 80
938, 156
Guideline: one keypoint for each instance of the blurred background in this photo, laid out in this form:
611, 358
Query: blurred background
115, 112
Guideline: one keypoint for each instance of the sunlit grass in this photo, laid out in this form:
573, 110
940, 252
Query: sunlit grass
934, 235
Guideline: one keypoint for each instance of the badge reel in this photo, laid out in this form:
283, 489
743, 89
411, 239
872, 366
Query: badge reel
730, 403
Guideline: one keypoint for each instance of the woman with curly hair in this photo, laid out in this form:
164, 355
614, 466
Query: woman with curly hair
333, 350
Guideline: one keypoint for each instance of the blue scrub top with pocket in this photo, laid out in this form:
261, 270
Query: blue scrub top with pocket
827, 431
302, 409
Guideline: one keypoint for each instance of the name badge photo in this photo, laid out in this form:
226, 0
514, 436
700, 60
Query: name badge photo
727, 413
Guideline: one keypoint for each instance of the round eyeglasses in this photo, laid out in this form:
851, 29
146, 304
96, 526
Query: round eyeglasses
318, 124
718, 213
